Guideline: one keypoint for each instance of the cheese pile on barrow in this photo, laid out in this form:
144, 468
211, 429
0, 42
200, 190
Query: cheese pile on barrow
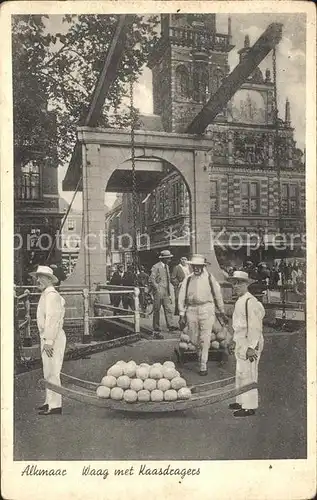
132, 383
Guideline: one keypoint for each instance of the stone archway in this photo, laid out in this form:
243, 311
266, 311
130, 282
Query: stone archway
103, 151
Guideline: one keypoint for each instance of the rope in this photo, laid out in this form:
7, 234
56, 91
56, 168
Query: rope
276, 148
134, 181
278, 168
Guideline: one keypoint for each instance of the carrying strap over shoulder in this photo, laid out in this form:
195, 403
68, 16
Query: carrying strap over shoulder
247, 314
211, 289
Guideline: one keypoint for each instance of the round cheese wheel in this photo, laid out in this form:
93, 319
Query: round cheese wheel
145, 365
142, 372
132, 363
109, 381
116, 393
183, 346
103, 391
157, 365
184, 337
163, 384
123, 382
144, 395
129, 370
184, 393
136, 384
169, 373
130, 396
178, 382
120, 363
157, 395
115, 371
169, 364
221, 336
215, 344
170, 395
149, 384
156, 372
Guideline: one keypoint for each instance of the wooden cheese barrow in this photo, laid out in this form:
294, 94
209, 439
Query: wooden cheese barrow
202, 395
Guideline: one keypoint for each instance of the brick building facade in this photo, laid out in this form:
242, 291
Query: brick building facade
256, 172
37, 217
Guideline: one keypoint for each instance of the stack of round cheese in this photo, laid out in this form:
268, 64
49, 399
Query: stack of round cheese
218, 339
185, 344
141, 383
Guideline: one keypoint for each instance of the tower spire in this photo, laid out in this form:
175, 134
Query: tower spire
287, 112
229, 28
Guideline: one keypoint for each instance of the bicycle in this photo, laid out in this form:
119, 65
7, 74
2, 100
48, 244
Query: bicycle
146, 301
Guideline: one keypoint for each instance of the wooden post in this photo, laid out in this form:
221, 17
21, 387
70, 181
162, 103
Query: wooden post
136, 310
27, 341
86, 335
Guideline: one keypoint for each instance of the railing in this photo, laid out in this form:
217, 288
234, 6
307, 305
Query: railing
89, 303
26, 324
191, 38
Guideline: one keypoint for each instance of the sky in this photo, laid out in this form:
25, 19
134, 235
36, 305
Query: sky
291, 70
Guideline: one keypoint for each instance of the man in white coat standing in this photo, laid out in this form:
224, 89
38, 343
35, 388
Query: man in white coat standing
199, 295
247, 342
50, 317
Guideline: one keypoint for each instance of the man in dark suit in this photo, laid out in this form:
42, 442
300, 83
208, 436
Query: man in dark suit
162, 289
115, 298
128, 279
178, 275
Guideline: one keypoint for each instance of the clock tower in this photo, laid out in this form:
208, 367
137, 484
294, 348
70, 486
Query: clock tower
188, 64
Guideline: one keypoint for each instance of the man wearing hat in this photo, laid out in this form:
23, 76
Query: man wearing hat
50, 316
199, 294
247, 342
162, 292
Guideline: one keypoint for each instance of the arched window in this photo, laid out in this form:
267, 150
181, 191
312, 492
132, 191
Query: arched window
182, 81
29, 182
201, 83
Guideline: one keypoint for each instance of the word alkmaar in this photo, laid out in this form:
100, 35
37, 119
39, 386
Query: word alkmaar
32, 470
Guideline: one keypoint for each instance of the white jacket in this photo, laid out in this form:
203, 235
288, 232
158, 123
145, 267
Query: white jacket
248, 331
50, 314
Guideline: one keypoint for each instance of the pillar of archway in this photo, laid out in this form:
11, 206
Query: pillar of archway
102, 153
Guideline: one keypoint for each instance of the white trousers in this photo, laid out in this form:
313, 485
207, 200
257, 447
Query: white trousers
200, 320
52, 369
246, 373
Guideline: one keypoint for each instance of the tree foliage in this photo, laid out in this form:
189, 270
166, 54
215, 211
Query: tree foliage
54, 74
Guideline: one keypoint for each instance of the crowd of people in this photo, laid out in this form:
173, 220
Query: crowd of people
289, 273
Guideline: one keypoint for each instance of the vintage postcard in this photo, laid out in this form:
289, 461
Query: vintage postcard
158, 216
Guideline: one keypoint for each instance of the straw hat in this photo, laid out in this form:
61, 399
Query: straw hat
165, 254
241, 276
45, 271
198, 260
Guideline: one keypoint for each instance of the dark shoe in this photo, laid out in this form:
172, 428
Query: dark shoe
234, 406
203, 373
243, 413
43, 407
173, 329
158, 335
52, 411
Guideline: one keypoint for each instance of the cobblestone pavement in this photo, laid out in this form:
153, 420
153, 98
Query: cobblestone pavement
278, 430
